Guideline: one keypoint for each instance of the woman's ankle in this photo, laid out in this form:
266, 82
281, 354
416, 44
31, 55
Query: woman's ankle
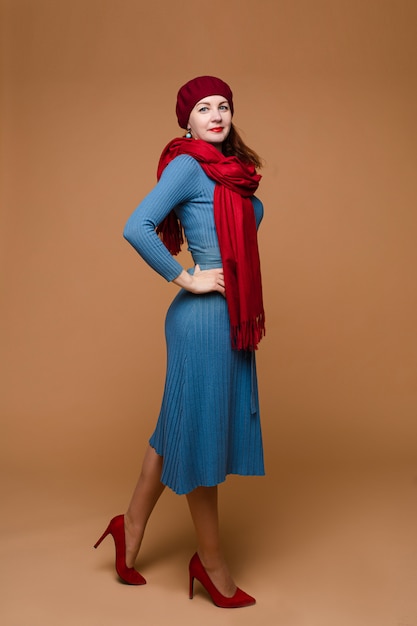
133, 539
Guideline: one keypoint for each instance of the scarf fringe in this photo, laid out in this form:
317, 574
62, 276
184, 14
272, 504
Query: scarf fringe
247, 335
171, 233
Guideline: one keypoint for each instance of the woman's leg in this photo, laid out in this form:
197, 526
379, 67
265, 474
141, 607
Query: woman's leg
146, 494
204, 512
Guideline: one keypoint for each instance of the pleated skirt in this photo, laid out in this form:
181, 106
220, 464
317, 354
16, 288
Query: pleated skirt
209, 423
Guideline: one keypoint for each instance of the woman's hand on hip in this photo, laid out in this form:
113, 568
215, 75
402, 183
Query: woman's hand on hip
202, 281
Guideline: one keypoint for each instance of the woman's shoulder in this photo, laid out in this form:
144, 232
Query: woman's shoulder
185, 173
182, 177
184, 163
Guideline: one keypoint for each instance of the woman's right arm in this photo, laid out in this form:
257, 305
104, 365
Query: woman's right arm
178, 183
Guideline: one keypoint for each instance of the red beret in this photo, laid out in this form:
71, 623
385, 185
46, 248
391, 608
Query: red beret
197, 89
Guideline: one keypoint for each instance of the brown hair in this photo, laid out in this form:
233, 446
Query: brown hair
234, 145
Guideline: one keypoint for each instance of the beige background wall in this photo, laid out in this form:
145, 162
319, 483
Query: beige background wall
325, 91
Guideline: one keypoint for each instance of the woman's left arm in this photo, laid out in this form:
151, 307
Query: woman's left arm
258, 208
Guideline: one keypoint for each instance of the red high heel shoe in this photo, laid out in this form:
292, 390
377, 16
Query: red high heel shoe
197, 570
116, 529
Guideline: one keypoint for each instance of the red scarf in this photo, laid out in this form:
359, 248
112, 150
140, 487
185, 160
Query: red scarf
236, 231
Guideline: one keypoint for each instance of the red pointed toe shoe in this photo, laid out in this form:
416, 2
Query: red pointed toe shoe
116, 529
238, 600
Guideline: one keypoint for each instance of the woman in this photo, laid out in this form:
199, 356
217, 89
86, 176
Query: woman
208, 425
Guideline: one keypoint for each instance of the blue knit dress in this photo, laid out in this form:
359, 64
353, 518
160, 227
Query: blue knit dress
209, 423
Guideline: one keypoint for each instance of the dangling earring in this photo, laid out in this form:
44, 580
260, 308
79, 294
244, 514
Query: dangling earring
188, 135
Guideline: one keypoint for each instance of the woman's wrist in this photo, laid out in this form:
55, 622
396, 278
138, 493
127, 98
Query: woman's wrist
184, 280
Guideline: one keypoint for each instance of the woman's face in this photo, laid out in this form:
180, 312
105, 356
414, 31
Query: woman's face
211, 120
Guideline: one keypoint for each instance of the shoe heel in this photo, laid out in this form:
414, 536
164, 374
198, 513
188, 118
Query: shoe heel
191, 587
116, 529
239, 599
103, 536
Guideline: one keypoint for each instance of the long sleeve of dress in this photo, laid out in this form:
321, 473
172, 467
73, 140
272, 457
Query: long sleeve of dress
179, 183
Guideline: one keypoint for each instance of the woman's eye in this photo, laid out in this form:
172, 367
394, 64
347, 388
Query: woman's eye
203, 109
223, 107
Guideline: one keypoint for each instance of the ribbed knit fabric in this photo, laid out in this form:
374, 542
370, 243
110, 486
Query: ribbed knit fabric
209, 423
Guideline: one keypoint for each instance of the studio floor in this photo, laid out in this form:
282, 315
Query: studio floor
317, 547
